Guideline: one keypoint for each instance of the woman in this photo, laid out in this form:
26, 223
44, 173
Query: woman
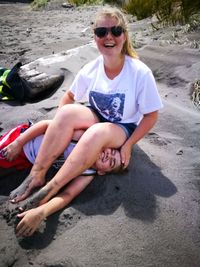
117, 72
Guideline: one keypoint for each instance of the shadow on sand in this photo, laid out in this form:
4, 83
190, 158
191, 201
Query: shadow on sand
135, 190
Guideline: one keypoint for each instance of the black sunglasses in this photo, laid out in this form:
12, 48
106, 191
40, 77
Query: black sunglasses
103, 31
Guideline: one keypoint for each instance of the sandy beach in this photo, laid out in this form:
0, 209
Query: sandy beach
147, 217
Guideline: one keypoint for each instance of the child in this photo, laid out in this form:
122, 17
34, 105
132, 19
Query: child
19, 148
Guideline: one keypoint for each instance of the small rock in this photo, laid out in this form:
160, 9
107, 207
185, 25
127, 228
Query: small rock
179, 152
67, 5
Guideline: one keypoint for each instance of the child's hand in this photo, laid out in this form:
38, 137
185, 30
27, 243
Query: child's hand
12, 150
30, 222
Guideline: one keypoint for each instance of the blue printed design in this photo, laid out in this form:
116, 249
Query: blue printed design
109, 106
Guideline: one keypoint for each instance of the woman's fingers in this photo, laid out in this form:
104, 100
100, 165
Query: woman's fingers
125, 156
125, 160
126, 163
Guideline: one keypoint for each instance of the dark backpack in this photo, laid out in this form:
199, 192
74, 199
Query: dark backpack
15, 87
12, 86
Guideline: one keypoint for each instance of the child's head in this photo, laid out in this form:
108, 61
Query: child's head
109, 161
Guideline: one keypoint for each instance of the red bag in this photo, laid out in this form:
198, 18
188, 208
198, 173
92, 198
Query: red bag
21, 162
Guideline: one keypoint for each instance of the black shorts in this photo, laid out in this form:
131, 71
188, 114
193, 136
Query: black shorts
128, 128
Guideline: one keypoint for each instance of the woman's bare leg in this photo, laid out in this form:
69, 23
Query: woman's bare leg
58, 135
83, 156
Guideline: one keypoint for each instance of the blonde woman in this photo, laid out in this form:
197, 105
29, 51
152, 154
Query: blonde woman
117, 72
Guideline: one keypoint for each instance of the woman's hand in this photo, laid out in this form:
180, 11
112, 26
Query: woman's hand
68, 98
125, 152
143, 128
30, 222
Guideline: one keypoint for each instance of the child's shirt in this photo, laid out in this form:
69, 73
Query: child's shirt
31, 149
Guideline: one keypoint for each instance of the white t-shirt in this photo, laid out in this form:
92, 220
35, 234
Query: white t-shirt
31, 149
125, 98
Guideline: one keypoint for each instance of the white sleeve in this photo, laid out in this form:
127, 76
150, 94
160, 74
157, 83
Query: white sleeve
148, 99
79, 86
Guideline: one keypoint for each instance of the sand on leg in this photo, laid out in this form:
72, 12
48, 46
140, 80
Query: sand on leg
24, 190
82, 157
56, 139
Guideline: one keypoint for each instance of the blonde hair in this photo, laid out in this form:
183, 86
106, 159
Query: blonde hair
113, 12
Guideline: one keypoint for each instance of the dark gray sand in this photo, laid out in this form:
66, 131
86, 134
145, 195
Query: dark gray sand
146, 217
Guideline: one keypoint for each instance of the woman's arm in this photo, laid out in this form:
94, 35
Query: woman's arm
68, 98
143, 128
31, 219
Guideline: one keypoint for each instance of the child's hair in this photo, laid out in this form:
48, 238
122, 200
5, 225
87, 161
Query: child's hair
113, 12
119, 169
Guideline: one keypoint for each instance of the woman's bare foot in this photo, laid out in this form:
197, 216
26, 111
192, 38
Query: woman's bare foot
24, 190
36, 199
42, 196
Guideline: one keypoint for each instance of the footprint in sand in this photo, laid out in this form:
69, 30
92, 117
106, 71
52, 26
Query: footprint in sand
47, 110
157, 139
68, 219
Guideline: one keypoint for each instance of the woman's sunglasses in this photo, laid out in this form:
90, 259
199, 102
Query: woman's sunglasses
103, 31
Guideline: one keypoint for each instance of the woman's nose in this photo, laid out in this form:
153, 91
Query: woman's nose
109, 35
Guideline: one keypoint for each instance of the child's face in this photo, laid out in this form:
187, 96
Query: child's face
108, 160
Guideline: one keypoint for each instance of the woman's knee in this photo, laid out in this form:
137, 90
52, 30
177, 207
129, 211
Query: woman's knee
65, 112
76, 115
108, 134
98, 133
66, 117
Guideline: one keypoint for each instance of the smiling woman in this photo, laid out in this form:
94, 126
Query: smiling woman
123, 106
120, 26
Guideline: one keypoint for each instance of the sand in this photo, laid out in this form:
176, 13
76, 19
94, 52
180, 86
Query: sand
146, 217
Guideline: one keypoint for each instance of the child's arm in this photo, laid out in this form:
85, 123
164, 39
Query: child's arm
32, 219
32, 132
14, 148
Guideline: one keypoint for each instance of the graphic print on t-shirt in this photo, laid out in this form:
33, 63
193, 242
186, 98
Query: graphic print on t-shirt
109, 106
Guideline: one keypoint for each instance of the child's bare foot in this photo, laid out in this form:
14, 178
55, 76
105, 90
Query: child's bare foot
24, 190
